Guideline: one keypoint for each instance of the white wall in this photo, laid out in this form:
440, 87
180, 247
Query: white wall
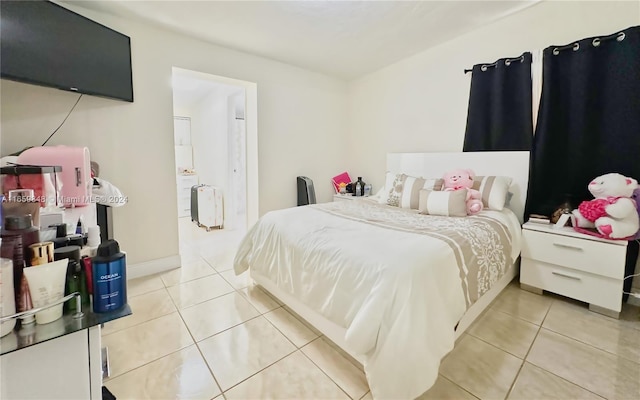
420, 103
301, 124
209, 137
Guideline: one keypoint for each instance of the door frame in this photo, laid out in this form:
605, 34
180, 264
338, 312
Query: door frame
251, 129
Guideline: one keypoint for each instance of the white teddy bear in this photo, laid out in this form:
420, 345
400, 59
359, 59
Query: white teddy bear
613, 213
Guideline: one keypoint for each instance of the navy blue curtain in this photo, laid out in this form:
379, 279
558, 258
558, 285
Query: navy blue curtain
589, 117
499, 115
588, 121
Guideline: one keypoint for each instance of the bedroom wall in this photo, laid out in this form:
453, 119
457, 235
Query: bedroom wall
301, 126
420, 103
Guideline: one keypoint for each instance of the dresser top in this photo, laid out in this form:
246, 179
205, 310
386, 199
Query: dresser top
568, 231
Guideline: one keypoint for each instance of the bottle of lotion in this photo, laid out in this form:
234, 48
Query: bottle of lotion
109, 270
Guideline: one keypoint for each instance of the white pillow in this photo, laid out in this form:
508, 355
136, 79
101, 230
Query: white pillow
388, 182
494, 190
449, 204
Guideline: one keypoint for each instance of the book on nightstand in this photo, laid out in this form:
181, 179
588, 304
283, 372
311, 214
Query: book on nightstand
539, 219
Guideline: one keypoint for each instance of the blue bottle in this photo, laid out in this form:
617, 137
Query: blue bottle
109, 270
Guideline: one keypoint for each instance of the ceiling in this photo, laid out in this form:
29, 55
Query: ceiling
345, 39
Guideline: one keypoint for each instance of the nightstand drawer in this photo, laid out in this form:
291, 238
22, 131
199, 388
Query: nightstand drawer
593, 289
599, 258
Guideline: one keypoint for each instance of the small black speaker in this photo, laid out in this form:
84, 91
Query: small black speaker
306, 192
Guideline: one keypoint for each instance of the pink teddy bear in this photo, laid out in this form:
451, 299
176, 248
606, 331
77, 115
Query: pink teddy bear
463, 179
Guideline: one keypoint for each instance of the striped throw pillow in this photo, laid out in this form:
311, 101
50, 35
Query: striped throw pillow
405, 191
449, 204
494, 190
398, 187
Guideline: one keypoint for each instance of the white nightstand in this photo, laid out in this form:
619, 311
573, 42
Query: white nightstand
343, 197
575, 265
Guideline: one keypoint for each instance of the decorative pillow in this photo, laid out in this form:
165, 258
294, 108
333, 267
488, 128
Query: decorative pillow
494, 190
434, 184
405, 191
390, 183
448, 204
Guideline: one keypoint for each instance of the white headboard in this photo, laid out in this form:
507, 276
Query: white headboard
498, 163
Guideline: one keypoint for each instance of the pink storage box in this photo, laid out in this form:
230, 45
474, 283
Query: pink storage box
76, 170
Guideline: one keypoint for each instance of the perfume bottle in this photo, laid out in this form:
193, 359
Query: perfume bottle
359, 187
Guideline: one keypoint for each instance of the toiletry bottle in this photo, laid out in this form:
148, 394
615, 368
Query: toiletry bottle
76, 282
79, 226
359, 187
367, 189
41, 253
109, 278
7, 297
93, 241
88, 272
21, 228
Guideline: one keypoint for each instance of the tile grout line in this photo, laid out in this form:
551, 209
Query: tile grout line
565, 379
496, 347
261, 370
455, 384
177, 309
592, 346
195, 342
524, 359
327, 375
208, 368
111, 378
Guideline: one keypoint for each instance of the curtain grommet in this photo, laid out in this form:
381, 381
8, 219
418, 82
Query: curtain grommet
596, 42
507, 62
621, 36
556, 51
483, 68
576, 46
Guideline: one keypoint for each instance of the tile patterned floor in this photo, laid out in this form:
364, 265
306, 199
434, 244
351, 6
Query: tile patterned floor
200, 332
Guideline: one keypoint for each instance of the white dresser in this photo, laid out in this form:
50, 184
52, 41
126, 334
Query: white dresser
185, 182
583, 267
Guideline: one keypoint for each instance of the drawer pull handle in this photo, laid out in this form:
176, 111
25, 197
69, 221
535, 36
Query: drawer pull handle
577, 278
568, 246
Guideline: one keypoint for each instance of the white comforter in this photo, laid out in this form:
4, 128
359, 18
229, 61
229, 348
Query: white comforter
398, 294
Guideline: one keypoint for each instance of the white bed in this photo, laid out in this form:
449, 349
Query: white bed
395, 311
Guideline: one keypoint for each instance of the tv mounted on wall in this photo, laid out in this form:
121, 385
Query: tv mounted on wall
45, 44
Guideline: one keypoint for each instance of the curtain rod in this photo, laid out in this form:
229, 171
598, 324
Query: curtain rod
620, 36
507, 62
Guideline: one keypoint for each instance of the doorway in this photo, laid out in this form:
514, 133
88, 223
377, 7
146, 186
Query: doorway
215, 135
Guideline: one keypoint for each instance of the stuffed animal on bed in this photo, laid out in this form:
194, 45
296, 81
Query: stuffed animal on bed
612, 212
463, 179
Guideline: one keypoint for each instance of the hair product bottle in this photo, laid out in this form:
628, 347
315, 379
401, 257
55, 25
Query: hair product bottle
109, 278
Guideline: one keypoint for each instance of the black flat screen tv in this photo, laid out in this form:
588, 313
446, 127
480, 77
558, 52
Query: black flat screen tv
45, 44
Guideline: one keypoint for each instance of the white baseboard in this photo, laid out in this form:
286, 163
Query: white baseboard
153, 266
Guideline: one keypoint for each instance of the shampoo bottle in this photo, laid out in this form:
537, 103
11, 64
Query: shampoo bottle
109, 278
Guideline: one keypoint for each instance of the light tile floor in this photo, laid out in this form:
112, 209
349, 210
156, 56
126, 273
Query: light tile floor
200, 332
